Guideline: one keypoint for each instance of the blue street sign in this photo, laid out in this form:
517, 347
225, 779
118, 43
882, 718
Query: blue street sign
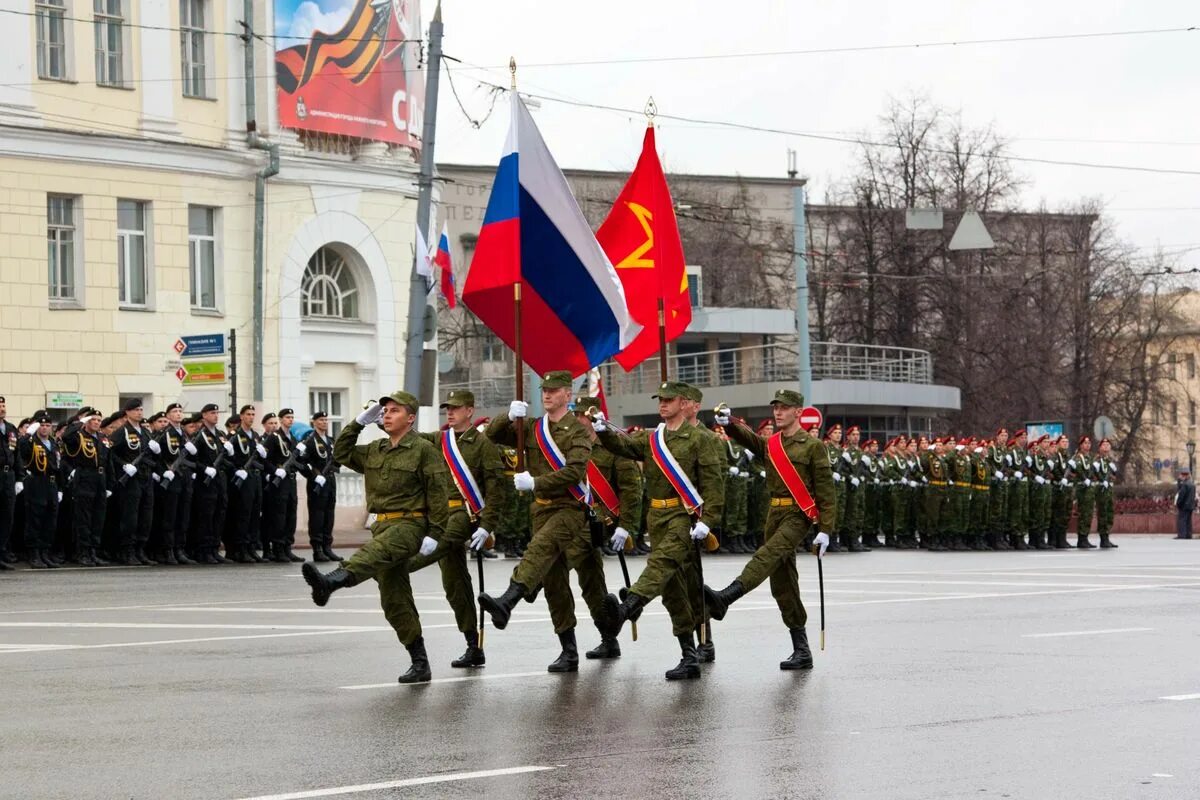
209, 344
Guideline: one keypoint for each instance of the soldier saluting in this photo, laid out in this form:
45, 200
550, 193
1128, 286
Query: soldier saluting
88, 457
40, 462
795, 461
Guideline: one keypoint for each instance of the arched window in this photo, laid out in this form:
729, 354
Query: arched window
328, 290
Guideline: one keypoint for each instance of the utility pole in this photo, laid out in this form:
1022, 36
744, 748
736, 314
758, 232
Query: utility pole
414, 347
800, 264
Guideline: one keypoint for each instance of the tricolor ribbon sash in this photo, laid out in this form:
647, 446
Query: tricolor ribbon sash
603, 489
555, 458
791, 478
669, 467
461, 473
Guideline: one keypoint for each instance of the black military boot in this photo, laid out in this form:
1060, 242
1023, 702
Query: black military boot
318, 554
628, 608
935, 543
292, 557
500, 608
1060, 541
835, 543
209, 557
278, 554
872, 541
688, 667
1106, 543
332, 556
181, 556
643, 548
419, 671
326, 583
474, 656
568, 659
1018, 541
608, 648
851, 544
801, 657
220, 559
956, 543
1083, 543
84, 557
36, 561
706, 651
127, 557
168, 557
145, 560
719, 602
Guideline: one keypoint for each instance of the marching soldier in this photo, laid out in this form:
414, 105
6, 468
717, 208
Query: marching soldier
1082, 473
88, 457
795, 462
681, 469
8, 484
557, 448
616, 505
1018, 491
693, 398
279, 489
406, 487
133, 504
321, 488
209, 495
1106, 474
174, 491
475, 488
242, 525
41, 467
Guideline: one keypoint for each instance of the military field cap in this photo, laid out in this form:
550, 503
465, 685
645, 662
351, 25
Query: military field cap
788, 397
586, 404
287, 412
209, 407
693, 393
459, 398
319, 415
671, 390
557, 379
401, 397
132, 405
267, 417
246, 408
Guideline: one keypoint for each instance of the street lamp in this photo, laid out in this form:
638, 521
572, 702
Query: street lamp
1191, 451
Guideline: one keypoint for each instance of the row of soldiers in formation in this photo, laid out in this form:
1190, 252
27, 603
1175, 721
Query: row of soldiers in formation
970, 494
169, 488
434, 497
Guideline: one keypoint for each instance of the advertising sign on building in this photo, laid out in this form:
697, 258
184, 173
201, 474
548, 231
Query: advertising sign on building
350, 67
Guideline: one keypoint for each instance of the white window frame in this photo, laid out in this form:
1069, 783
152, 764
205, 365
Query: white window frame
47, 12
127, 240
55, 236
110, 61
195, 254
491, 349
191, 32
323, 291
695, 276
322, 400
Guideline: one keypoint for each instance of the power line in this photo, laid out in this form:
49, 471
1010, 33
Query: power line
852, 49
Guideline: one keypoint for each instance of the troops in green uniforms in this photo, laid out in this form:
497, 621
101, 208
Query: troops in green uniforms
475, 501
682, 470
1060, 493
873, 483
407, 490
1106, 474
787, 523
1040, 475
1083, 472
557, 448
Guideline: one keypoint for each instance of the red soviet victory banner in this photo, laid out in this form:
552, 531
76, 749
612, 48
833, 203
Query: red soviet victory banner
641, 238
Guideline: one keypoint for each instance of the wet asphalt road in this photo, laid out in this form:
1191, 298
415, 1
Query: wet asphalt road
1023, 675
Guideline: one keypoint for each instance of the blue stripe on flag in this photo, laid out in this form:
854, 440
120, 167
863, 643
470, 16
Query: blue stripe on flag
503, 204
553, 269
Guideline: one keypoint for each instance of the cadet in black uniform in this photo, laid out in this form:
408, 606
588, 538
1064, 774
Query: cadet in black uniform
41, 464
176, 466
8, 484
209, 498
245, 491
279, 490
321, 488
88, 457
133, 493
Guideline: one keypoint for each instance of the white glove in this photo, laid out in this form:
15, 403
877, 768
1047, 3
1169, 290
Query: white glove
1104, 484
699, 532
1096, 466
837, 478
191, 448
877, 481
1028, 461
428, 545
193, 476
1008, 459
129, 469
1064, 482
281, 473
262, 451
722, 418
821, 542
950, 483
210, 472
32, 428
846, 457
228, 447
154, 476
241, 474
866, 459
479, 539
598, 421
1018, 475
1087, 482
60, 497
18, 487
319, 480
523, 481
1040, 480
618, 539
1113, 467
518, 409
169, 475
855, 482
154, 448
372, 414
301, 448
733, 472
107, 493
1071, 463
762, 473
750, 457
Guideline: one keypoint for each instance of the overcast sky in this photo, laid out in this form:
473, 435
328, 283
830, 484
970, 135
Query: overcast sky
1125, 100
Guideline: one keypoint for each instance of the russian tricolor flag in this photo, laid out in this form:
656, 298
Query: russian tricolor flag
573, 309
442, 259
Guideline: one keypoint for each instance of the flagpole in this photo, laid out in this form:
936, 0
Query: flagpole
650, 111
519, 370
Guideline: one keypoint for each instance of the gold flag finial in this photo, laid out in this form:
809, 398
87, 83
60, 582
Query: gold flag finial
651, 111
512, 69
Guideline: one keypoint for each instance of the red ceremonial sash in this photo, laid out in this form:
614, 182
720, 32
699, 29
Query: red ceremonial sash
603, 489
791, 478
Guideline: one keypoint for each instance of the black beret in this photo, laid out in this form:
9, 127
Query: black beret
209, 407
156, 417
284, 412
319, 415
267, 417
41, 416
133, 404
233, 421
192, 420
246, 408
171, 407
110, 419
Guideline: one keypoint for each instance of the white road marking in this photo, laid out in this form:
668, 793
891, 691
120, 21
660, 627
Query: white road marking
1096, 575
463, 679
312, 610
1084, 633
190, 626
965, 583
112, 645
1161, 775
375, 787
146, 607
1181, 697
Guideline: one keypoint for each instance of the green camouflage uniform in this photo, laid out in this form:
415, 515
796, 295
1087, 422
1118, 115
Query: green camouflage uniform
1040, 474
1106, 472
1083, 472
736, 493
936, 476
1018, 495
1060, 499
1000, 467
513, 533
837, 467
